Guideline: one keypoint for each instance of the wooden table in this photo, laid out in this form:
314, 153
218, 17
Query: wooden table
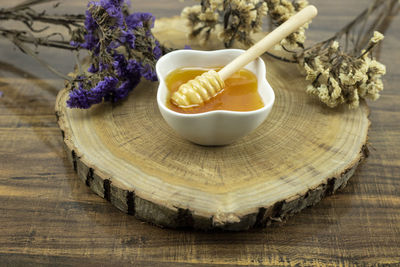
49, 217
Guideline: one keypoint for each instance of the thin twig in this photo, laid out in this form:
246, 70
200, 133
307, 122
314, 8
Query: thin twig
28, 3
42, 41
78, 63
281, 58
30, 16
25, 49
379, 8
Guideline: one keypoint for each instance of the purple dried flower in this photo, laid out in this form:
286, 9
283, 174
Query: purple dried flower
123, 50
148, 73
128, 37
157, 50
114, 45
105, 88
82, 98
114, 10
93, 69
123, 91
75, 43
103, 67
133, 67
140, 19
120, 65
91, 26
133, 23
133, 78
78, 98
91, 41
90, 23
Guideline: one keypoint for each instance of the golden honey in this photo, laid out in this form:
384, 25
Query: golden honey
239, 94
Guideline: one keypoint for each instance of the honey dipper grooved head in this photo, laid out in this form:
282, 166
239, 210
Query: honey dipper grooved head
198, 90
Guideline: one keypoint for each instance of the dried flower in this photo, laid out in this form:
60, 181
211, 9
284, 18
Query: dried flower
342, 69
279, 12
238, 20
339, 73
377, 37
338, 77
122, 50
232, 20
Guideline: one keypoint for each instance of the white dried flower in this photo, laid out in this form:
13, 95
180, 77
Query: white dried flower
253, 15
280, 11
377, 68
216, 4
339, 78
359, 76
377, 37
196, 9
300, 4
336, 89
323, 93
310, 72
278, 47
338, 75
311, 90
354, 100
209, 16
239, 18
335, 46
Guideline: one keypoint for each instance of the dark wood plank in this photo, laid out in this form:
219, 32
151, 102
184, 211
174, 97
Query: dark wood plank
49, 217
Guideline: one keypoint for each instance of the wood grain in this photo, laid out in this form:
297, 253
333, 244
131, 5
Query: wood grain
128, 155
49, 217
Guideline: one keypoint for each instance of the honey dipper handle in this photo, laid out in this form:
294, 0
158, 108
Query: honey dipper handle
268, 41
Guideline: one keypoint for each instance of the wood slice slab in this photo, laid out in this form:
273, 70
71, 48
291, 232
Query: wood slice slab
126, 153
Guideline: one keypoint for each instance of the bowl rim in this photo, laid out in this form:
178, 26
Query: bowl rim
162, 105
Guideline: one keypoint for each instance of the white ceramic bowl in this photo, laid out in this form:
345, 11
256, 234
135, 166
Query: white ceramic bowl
219, 127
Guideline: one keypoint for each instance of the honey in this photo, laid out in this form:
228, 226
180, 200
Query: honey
239, 94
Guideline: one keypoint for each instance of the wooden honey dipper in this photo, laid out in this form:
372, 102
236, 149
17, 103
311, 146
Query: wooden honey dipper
207, 85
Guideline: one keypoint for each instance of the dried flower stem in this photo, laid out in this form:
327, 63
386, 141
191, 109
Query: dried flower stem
379, 12
25, 37
284, 59
29, 3
25, 14
342, 69
30, 52
29, 17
